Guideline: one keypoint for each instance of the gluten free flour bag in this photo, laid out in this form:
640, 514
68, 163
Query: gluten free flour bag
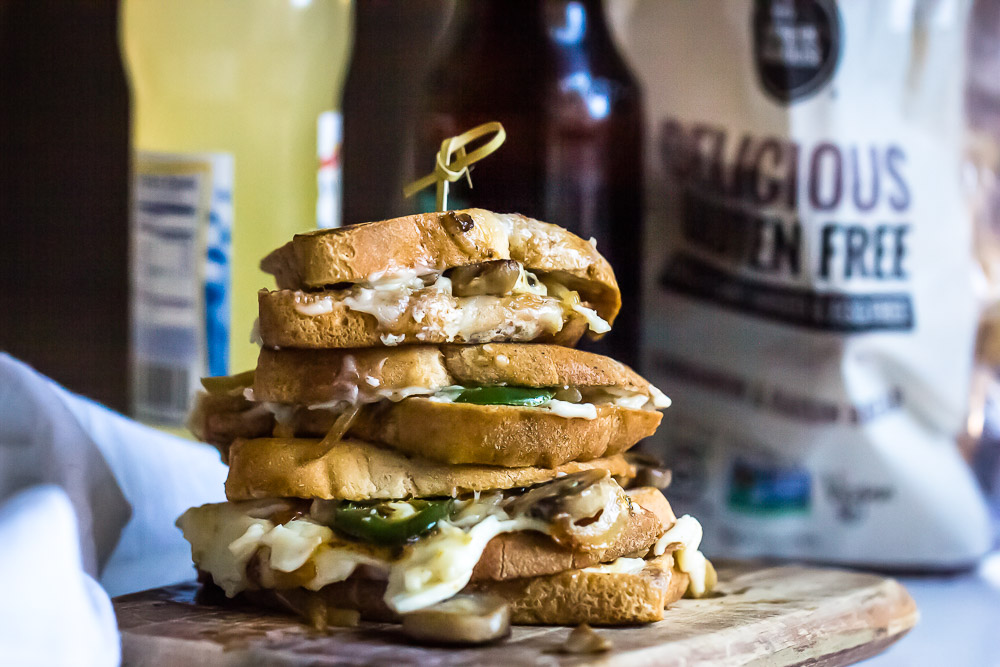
811, 308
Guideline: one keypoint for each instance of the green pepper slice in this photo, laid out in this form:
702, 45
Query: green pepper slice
524, 396
370, 523
226, 384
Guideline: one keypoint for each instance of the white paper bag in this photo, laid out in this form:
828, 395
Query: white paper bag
810, 307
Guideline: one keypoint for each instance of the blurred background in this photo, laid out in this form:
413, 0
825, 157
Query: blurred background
799, 198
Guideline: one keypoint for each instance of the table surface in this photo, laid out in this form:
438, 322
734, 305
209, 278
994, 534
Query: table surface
774, 615
959, 621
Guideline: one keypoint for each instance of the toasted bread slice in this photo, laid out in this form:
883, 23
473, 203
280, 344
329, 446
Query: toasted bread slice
496, 435
290, 319
530, 554
309, 377
652, 500
598, 596
425, 242
310, 381
439, 241
502, 435
356, 470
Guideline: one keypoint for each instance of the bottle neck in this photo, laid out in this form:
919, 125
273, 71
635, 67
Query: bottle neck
479, 21
577, 25
484, 28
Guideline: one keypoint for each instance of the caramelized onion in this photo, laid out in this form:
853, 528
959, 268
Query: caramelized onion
587, 510
590, 535
341, 425
277, 510
546, 500
316, 611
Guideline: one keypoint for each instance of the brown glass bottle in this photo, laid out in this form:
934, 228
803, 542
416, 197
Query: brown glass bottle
64, 193
393, 44
550, 72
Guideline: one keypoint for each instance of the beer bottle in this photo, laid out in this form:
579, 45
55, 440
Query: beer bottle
393, 42
551, 74
64, 194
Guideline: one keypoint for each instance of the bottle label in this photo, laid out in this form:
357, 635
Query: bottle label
328, 137
182, 216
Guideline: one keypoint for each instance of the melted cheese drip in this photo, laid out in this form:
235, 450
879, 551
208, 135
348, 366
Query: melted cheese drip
314, 307
621, 565
687, 532
437, 568
429, 297
569, 410
223, 539
224, 536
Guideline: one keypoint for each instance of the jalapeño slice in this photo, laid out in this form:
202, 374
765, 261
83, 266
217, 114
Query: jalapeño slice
372, 523
524, 396
225, 384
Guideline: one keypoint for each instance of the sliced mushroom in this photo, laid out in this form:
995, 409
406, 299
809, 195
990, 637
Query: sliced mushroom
586, 510
583, 640
497, 278
463, 619
573, 493
649, 471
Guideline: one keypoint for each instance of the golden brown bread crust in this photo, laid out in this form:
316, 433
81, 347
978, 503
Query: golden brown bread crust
316, 377
441, 240
308, 377
517, 555
537, 365
573, 261
427, 242
652, 499
565, 598
455, 432
530, 554
506, 318
598, 598
496, 435
502, 435
356, 470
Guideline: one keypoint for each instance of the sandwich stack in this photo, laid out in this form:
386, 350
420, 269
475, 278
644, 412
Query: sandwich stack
420, 442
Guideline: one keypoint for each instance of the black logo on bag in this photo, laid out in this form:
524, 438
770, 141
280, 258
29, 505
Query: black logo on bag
797, 46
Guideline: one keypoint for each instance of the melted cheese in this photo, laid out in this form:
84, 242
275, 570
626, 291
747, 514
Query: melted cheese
391, 340
621, 565
569, 410
437, 568
224, 536
223, 539
596, 323
528, 283
687, 533
314, 307
660, 400
293, 543
429, 298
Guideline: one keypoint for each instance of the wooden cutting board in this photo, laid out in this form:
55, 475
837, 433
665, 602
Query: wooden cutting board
772, 616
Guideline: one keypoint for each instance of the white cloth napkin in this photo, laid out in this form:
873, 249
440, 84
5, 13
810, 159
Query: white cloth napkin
85, 493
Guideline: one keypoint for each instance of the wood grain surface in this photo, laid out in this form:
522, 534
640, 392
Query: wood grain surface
774, 616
